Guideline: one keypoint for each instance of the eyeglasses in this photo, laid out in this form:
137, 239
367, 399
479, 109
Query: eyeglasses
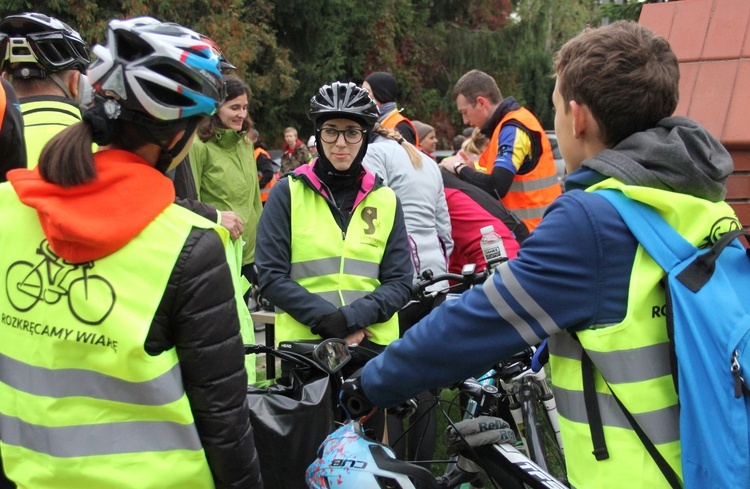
351, 136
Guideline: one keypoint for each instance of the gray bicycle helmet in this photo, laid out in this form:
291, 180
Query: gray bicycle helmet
38, 45
345, 100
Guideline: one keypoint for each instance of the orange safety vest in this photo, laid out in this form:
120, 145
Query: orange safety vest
531, 193
267, 189
395, 118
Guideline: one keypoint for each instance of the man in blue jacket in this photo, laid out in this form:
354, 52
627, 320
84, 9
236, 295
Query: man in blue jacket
577, 278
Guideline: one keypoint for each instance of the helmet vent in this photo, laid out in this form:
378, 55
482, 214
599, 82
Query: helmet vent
130, 47
165, 95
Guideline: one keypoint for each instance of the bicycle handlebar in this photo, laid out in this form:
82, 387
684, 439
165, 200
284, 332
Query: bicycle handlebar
428, 278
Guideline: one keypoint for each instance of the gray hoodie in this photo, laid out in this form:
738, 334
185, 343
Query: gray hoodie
422, 197
677, 155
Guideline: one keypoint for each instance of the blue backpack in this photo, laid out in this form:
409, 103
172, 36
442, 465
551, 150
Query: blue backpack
708, 316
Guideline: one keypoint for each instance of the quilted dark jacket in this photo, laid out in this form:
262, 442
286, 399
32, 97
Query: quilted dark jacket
198, 316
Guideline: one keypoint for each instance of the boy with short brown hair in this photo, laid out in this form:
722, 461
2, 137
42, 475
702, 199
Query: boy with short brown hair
580, 278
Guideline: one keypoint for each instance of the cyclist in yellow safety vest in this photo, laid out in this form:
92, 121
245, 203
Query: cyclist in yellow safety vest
332, 253
46, 60
581, 277
121, 358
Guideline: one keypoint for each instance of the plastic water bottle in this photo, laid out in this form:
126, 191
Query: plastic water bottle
492, 247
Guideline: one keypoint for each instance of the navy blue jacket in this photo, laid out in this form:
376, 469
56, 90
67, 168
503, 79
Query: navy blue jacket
572, 272
575, 266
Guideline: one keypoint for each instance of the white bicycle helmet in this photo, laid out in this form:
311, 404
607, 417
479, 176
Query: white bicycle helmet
224, 63
161, 70
349, 460
41, 45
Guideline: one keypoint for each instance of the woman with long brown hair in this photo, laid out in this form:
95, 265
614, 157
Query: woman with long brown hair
224, 168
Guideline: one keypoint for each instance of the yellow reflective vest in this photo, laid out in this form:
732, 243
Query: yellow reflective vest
82, 404
43, 118
340, 269
630, 359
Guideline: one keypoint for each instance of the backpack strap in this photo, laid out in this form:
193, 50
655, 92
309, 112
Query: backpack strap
668, 248
661, 462
593, 413
658, 238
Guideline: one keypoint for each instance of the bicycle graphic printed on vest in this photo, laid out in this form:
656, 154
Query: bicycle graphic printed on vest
90, 297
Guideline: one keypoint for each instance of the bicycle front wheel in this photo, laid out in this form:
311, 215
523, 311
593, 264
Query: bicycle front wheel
540, 436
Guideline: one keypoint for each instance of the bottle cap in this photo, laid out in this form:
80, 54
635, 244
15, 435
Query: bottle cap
487, 229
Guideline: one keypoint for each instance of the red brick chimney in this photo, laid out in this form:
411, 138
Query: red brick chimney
711, 39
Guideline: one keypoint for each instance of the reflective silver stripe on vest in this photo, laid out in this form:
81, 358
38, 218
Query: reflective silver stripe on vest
99, 439
334, 298
636, 365
59, 383
661, 426
315, 268
361, 268
529, 212
505, 312
531, 185
352, 295
621, 366
564, 345
330, 266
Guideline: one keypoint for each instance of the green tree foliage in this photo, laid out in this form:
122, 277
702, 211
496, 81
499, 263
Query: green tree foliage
286, 50
628, 10
242, 29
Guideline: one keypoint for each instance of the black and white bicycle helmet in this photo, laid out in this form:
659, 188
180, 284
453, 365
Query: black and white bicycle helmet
41, 45
161, 70
345, 100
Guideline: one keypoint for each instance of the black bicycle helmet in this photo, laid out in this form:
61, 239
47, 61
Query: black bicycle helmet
345, 100
38, 41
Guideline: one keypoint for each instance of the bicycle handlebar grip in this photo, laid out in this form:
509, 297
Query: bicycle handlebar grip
353, 399
540, 357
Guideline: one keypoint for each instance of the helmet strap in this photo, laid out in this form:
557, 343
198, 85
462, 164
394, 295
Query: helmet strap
167, 156
61, 83
26, 71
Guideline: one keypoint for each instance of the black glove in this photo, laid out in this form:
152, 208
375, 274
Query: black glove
353, 398
330, 326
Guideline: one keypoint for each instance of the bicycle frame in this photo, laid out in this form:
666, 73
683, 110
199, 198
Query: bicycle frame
524, 388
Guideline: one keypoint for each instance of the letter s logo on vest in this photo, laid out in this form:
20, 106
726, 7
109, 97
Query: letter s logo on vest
369, 214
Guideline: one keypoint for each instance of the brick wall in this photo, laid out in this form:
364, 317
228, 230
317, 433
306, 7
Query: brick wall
711, 39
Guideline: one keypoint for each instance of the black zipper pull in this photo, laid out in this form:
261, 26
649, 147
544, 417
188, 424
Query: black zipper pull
736, 369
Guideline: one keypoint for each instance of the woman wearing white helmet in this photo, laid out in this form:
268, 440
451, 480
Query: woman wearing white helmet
125, 365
